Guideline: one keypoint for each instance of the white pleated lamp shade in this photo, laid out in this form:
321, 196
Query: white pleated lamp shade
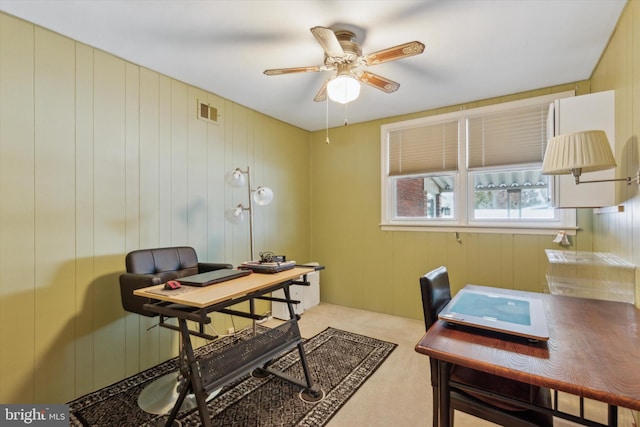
589, 151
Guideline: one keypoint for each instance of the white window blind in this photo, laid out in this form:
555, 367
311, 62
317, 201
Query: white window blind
424, 149
508, 137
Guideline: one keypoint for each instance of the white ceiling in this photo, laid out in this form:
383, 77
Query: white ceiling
475, 49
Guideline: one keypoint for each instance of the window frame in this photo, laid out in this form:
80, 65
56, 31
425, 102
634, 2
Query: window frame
463, 186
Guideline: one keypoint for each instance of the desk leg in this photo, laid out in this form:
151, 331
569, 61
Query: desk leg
312, 393
193, 380
612, 416
444, 398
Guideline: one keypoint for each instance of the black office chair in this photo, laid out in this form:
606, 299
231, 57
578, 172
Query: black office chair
436, 293
148, 267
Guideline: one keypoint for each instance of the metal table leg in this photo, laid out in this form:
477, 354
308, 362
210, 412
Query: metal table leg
311, 393
193, 382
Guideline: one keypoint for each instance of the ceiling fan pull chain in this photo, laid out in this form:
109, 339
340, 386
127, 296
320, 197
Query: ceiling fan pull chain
327, 117
346, 122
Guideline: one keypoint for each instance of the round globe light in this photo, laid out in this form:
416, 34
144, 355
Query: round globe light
235, 215
263, 196
236, 178
343, 89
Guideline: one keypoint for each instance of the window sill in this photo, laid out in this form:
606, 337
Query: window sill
551, 230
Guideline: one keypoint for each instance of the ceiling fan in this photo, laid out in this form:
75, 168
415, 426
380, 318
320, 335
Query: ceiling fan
343, 55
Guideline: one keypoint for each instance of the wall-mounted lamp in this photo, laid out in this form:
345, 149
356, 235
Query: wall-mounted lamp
574, 153
262, 196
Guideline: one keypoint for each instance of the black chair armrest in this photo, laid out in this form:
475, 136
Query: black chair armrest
203, 267
129, 282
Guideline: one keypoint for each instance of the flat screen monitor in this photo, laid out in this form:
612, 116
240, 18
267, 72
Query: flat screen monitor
488, 308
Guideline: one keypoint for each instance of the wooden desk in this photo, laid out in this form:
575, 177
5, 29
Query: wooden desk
210, 295
593, 352
194, 303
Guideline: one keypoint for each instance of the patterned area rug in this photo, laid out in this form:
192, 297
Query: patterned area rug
339, 361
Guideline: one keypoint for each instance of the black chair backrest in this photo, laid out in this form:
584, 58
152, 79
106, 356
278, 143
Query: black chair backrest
162, 260
436, 293
148, 267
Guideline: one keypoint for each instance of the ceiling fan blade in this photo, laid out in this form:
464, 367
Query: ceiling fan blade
322, 93
328, 40
378, 82
393, 53
278, 71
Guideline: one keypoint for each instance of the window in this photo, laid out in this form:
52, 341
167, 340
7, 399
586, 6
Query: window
520, 195
473, 168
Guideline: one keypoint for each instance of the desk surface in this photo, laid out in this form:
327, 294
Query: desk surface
209, 295
593, 350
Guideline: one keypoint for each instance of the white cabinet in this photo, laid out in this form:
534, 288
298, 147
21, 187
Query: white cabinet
579, 113
309, 296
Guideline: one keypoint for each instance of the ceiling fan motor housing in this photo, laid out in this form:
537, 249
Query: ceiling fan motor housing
352, 50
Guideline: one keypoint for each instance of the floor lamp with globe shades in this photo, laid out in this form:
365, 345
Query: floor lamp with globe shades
262, 196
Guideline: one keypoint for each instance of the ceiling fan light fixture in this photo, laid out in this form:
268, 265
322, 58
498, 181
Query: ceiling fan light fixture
343, 89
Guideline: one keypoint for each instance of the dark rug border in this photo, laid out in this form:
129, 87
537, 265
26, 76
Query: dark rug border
321, 413
383, 352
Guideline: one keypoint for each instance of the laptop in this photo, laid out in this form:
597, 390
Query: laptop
213, 277
488, 308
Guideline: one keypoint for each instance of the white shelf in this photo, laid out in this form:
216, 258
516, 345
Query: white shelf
597, 275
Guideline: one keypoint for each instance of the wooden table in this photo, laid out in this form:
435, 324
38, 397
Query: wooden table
195, 303
593, 352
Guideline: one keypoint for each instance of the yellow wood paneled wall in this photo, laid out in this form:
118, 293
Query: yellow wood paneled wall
17, 213
619, 69
379, 270
98, 157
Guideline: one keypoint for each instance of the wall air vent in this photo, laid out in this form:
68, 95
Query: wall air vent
207, 112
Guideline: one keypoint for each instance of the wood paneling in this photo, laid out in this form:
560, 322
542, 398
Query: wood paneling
17, 211
84, 213
619, 69
143, 218
110, 200
98, 157
54, 111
